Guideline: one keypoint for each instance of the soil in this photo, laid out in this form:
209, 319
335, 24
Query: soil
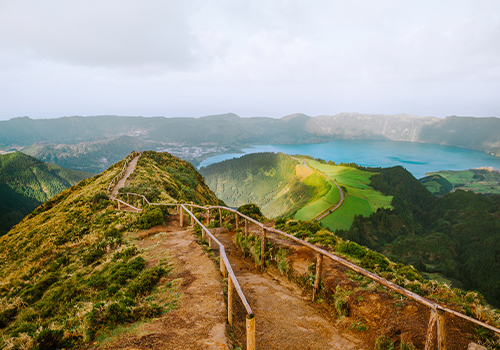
199, 321
285, 318
379, 311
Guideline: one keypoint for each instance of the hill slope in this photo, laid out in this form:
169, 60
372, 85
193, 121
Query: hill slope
275, 182
68, 270
26, 182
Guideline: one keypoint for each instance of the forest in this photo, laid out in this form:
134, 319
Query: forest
457, 235
26, 182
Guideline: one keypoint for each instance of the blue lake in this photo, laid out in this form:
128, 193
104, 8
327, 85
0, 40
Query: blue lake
417, 158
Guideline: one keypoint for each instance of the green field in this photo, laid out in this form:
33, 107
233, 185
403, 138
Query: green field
475, 180
361, 199
343, 217
310, 211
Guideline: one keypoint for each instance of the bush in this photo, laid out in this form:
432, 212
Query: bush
50, 339
353, 249
150, 217
384, 343
251, 210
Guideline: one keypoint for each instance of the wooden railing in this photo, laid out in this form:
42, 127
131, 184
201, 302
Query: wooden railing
120, 174
436, 319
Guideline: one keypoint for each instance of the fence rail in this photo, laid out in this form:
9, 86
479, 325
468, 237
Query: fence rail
436, 319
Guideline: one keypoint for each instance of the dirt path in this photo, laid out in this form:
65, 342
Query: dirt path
285, 319
199, 321
130, 169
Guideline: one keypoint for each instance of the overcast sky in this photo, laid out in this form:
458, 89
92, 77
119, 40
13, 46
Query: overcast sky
252, 57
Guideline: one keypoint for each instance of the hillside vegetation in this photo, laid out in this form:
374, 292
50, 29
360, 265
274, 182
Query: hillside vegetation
26, 182
269, 180
457, 236
69, 270
297, 186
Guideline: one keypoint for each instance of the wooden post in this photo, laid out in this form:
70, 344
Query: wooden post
262, 247
210, 241
208, 217
236, 220
441, 334
220, 217
430, 329
143, 200
128, 200
251, 332
178, 207
319, 265
119, 205
181, 217
230, 301
222, 267
246, 228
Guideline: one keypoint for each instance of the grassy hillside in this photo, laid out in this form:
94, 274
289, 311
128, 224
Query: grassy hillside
457, 236
360, 198
283, 185
26, 182
278, 183
69, 272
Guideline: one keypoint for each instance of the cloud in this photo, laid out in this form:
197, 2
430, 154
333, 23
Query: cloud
99, 33
260, 56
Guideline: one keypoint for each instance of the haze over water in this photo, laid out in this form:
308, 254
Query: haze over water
417, 158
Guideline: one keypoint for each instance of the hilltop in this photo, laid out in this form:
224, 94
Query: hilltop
70, 268
26, 182
64, 140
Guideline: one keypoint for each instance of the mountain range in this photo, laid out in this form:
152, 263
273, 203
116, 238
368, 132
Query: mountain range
64, 140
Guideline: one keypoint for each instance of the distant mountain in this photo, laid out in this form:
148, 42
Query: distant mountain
62, 138
92, 156
26, 182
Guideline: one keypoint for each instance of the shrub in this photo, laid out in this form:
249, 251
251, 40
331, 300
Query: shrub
352, 249
50, 339
150, 217
384, 343
251, 210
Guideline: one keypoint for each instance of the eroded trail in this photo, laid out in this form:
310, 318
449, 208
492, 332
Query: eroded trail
198, 321
130, 169
285, 318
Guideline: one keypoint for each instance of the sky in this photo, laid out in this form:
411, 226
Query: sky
191, 58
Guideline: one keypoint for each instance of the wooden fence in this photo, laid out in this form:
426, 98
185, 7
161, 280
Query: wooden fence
436, 331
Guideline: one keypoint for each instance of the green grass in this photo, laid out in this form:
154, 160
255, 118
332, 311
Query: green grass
311, 210
361, 199
343, 217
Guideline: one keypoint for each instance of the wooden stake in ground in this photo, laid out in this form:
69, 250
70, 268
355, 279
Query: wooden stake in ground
251, 332
319, 268
263, 247
220, 217
230, 301
181, 217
